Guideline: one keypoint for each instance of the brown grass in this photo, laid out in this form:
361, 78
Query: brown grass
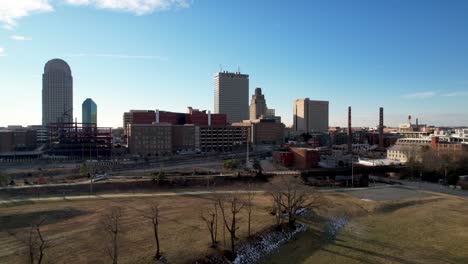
427, 230
75, 234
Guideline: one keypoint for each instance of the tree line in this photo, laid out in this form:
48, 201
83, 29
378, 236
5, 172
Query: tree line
426, 164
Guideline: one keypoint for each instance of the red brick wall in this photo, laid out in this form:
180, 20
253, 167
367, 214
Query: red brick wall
283, 157
305, 158
144, 117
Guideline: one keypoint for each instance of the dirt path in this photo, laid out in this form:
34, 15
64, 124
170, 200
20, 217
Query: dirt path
120, 195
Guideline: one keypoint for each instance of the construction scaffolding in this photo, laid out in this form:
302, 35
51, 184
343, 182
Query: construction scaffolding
79, 140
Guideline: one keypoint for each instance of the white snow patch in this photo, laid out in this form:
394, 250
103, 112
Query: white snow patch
266, 243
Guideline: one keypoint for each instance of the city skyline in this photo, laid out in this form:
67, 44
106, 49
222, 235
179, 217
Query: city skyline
405, 57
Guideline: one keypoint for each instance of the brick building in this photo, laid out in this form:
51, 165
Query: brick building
305, 158
194, 117
17, 140
264, 131
150, 139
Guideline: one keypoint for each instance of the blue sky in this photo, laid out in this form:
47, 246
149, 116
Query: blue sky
410, 57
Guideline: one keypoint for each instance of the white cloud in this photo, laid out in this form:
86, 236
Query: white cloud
12, 10
2, 52
118, 56
453, 94
420, 95
77, 2
138, 7
20, 38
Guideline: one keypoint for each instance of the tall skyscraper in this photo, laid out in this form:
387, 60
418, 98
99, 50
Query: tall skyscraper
258, 105
57, 93
231, 95
89, 112
310, 116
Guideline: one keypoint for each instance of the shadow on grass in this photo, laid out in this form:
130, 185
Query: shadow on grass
392, 207
364, 252
9, 222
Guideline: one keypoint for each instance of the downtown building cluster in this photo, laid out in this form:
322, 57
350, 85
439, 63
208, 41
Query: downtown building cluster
234, 125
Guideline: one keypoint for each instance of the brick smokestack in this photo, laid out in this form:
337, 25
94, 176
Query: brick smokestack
350, 142
381, 125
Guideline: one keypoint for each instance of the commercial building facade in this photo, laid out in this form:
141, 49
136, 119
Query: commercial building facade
165, 139
12, 140
57, 93
264, 131
231, 95
150, 139
310, 116
192, 117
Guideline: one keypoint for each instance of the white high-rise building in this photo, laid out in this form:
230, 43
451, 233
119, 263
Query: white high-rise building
310, 116
57, 93
231, 95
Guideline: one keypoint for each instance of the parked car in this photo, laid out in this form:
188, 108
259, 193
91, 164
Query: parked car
463, 181
100, 177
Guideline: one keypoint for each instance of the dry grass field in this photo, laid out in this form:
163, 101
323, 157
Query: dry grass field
421, 229
426, 230
75, 233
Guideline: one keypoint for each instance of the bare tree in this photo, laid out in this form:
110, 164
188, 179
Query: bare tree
230, 208
112, 226
249, 204
276, 208
291, 196
212, 223
36, 243
155, 217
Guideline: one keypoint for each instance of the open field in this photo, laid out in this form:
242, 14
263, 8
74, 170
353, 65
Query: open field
421, 229
358, 226
73, 227
76, 237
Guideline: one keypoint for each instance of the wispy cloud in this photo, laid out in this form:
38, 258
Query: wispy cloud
12, 10
20, 38
421, 95
458, 93
138, 7
2, 52
118, 56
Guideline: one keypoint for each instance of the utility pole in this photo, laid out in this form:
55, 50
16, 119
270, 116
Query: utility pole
91, 185
352, 171
247, 162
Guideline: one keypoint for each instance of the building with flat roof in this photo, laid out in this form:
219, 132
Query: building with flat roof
57, 93
156, 139
12, 140
264, 131
310, 116
148, 140
231, 95
192, 117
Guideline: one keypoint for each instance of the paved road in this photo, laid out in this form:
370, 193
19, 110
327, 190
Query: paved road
427, 186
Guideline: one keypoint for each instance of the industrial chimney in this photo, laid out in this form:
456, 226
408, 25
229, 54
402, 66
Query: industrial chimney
381, 125
350, 142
